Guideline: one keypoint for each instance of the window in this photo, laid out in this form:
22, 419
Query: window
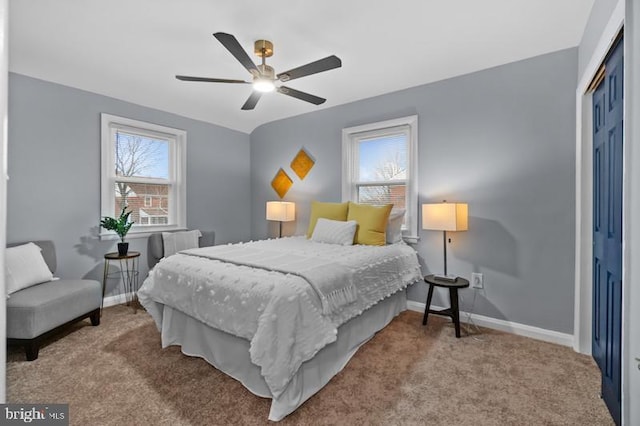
143, 168
379, 166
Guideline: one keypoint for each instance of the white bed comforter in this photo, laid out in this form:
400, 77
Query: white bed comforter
279, 313
332, 282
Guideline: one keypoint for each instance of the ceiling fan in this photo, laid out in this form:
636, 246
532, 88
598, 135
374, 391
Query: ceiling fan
264, 76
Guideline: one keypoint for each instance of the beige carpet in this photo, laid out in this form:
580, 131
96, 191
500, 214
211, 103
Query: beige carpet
117, 374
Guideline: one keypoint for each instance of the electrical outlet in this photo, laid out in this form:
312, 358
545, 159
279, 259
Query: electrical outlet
477, 281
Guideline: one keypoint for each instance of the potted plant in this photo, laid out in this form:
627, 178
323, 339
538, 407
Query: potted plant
120, 226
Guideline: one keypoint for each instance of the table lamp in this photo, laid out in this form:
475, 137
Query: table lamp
282, 211
445, 217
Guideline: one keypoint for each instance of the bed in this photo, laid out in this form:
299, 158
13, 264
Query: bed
282, 316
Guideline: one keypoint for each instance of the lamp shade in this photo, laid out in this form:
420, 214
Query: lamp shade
282, 211
445, 216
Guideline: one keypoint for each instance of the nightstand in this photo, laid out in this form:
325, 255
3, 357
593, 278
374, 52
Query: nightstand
453, 312
128, 273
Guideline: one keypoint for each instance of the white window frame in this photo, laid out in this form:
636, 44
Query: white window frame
350, 138
177, 138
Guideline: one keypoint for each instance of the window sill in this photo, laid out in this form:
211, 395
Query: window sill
142, 233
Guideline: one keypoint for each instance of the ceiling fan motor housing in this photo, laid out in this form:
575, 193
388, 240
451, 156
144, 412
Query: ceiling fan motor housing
263, 48
266, 72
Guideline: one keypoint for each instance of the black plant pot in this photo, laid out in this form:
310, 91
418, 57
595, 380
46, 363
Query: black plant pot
123, 248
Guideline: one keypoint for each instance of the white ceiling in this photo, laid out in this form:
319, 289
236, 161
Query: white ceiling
131, 49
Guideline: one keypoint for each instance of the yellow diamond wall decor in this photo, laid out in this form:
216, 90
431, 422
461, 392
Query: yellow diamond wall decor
281, 183
302, 163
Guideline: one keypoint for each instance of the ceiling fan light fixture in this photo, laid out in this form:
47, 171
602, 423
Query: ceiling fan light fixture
263, 82
263, 85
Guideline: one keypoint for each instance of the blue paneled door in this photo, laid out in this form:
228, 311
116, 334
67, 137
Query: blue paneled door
607, 227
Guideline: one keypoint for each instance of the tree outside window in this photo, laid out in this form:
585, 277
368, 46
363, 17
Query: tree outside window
147, 159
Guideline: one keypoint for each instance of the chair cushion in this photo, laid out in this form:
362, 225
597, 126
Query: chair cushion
43, 307
24, 267
48, 251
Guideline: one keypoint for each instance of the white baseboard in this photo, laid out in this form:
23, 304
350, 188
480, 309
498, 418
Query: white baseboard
118, 299
507, 326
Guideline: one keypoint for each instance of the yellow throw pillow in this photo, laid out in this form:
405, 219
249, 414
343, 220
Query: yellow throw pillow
372, 223
332, 211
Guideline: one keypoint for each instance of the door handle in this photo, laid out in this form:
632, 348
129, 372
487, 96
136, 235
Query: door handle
638, 361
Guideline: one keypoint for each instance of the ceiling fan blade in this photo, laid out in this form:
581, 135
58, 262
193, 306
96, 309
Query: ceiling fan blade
209, 80
301, 95
328, 63
232, 45
252, 101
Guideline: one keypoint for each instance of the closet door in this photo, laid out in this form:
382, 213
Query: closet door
607, 228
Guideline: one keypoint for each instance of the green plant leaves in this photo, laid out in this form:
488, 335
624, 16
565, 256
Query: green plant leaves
120, 226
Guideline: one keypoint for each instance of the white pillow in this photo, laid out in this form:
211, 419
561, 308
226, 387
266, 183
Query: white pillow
394, 226
24, 267
334, 231
174, 242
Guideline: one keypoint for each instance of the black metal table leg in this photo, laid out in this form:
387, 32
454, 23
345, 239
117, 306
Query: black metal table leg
428, 306
455, 312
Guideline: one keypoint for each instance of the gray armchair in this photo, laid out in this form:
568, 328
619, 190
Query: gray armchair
36, 312
155, 246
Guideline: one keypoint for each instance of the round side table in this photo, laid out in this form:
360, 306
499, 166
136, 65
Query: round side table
128, 273
452, 312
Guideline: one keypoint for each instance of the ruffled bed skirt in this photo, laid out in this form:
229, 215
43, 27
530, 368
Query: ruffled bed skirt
230, 354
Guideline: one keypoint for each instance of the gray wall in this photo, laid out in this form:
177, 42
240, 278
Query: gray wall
54, 170
502, 140
598, 19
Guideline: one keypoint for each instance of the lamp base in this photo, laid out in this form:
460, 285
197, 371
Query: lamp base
448, 278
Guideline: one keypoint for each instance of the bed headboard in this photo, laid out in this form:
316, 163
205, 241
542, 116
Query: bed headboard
155, 247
